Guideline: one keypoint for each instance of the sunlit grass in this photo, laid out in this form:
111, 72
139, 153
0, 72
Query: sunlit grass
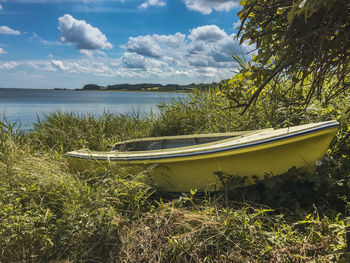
48, 212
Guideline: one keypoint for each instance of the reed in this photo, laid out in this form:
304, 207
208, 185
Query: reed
65, 131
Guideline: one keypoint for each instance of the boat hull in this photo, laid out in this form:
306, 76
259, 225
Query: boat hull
235, 166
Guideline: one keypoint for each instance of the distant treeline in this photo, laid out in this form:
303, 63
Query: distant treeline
149, 87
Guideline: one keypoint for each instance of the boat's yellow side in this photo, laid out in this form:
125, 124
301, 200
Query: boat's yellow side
181, 174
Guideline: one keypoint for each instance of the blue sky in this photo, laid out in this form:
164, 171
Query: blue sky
69, 43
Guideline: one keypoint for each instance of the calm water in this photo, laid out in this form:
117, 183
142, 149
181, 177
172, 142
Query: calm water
23, 105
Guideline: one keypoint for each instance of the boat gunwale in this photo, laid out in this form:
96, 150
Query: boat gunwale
189, 136
235, 136
92, 155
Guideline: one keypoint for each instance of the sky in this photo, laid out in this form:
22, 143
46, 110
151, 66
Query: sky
49, 44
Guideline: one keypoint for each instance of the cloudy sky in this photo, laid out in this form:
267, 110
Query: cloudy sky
69, 43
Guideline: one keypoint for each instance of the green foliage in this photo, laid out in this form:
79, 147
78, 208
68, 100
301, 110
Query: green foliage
93, 87
204, 232
211, 111
305, 40
49, 213
294, 190
200, 112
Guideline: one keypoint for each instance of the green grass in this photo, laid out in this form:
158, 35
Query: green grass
64, 131
49, 213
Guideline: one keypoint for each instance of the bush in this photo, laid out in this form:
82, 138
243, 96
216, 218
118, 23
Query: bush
210, 233
48, 213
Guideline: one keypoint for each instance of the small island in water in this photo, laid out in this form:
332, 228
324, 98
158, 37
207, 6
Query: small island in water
149, 87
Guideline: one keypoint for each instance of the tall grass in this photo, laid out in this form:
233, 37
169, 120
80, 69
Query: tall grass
49, 213
65, 131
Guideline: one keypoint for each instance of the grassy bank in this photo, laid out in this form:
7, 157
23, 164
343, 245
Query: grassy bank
50, 213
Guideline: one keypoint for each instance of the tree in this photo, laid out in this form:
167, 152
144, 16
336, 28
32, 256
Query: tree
307, 41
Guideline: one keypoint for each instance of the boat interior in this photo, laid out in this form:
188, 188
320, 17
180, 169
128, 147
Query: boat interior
169, 142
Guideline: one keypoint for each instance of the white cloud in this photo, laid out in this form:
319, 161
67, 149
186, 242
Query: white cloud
205, 47
92, 53
222, 51
1, 7
8, 65
143, 45
8, 31
58, 64
90, 67
207, 6
175, 58
133, 60
152, 3
82, 34
154, 45
212, 47
170, 40
2, 51
211, 33
87, 53
36, 37
237, 24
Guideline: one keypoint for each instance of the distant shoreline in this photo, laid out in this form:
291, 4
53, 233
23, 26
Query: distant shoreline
104, 90
141, 87
148, 87
80, 90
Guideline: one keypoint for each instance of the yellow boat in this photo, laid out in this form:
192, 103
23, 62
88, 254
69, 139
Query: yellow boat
184, 163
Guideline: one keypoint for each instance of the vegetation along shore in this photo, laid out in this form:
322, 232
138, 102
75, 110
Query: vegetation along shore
149, 87
299, 75
146, 87
52, 213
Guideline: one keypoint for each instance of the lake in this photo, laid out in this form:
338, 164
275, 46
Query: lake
24, 105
